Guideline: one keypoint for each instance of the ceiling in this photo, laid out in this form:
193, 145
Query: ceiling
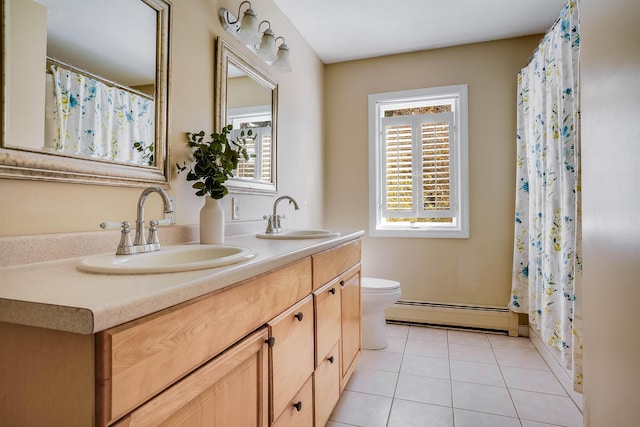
345, 30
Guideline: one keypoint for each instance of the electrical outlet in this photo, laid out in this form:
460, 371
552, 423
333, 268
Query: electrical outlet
172, 217
235, 208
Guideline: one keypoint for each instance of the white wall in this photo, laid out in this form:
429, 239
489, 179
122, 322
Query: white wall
610, 96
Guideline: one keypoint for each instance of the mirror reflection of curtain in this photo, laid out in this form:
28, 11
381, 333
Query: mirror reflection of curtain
93, 119
546, 263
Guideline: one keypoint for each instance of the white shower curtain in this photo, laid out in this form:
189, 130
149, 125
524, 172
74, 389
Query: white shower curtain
92, 119
546, 264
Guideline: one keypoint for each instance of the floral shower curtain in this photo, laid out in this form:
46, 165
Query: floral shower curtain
93, 119
546, 264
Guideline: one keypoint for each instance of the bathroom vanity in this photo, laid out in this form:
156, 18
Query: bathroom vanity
271, 341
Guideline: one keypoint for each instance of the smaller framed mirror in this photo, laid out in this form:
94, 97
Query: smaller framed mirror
247, 98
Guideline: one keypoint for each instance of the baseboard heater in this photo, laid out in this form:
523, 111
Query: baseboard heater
477, 317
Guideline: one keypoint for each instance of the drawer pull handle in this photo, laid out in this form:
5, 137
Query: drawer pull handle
332, 291
331, 359
298, 406
271, 341
342, 283
299, 316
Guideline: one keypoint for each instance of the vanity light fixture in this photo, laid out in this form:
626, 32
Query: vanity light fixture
282, 61
267, 49
247, 31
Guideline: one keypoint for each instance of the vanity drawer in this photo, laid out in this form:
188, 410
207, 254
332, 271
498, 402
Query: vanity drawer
328, 318
292, 353
329, 264
327, 384
302, 417
137, 360
229, 390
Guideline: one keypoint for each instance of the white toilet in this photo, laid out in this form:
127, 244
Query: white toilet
377, 294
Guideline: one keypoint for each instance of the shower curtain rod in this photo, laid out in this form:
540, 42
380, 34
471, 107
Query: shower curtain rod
98, 78
545, 34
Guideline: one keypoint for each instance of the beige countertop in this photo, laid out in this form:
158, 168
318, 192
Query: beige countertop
56, 295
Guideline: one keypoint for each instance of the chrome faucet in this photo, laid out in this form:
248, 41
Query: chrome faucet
273, 221
140, 243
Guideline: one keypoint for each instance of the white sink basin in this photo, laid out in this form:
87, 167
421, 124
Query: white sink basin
168, 260
298, 234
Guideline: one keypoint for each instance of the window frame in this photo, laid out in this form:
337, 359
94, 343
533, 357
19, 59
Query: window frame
459, 161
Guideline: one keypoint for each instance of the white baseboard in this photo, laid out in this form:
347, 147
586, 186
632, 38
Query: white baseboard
552, 358
459, 315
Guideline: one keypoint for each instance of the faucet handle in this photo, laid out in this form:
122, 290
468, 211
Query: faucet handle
111, 225
270, 220
125, 244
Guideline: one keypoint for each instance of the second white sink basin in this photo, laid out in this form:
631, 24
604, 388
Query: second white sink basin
168, 260
298, 234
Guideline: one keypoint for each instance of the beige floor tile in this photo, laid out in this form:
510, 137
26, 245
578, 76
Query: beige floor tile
516, 358
477, 373
532, 380
464, 418
427, 348
482, 398
546, 408
381, 360
471, 353
395, 345
427, 334
415, 414
424, 389
373, 381
398, 331
446, 378
470, 338
504, 341
434, 367
361, 409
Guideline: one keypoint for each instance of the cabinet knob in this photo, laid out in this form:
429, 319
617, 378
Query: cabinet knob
332, 291
331, 359
342, 283
299, 316
271, 341
298, 406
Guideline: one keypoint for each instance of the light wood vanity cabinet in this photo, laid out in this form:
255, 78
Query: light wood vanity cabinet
292, 354
339, 266
205, 362
137, 360
230, 390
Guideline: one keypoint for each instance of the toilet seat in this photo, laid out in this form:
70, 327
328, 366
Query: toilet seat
371, 285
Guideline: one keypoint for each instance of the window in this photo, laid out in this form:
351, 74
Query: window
418, 163
258, 120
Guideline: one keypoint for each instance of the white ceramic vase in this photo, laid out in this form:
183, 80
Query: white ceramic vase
211, 221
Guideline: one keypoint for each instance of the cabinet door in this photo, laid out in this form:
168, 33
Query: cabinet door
327, 384
351, 313
230, 390
299, 411
327, 309
292, 353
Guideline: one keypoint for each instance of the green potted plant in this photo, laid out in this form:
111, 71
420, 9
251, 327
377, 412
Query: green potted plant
213, 163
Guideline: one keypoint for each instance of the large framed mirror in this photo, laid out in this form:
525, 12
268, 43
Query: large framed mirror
85, 91
247, 98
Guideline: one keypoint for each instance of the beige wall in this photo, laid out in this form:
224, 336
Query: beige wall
469, 271
28, 207
610, 96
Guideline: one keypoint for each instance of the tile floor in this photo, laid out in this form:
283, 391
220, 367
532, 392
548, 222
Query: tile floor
436, 377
